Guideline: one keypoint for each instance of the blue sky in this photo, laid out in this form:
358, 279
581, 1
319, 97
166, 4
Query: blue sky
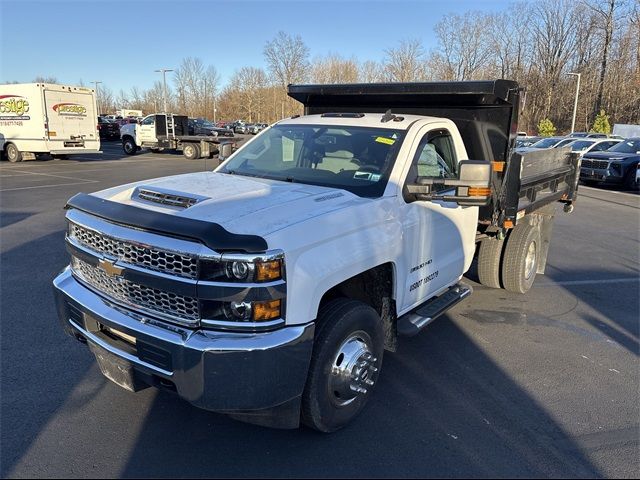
121, 43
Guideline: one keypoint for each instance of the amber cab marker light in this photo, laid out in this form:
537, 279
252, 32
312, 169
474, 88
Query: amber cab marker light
268, 270
479, 191
263, 311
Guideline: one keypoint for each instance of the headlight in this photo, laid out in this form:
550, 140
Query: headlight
241, 268
263, 311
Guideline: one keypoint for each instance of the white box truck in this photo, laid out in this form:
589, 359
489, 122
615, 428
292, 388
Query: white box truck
45, 118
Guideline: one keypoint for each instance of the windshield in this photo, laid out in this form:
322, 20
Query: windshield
565, 142
581, 145
627, 146
357, 159
546, 143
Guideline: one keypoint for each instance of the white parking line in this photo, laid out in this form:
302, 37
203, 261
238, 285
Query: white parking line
584, 187
49, 175
48, 186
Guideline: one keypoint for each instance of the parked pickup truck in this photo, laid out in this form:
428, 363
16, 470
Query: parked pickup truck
167, 131
270, 288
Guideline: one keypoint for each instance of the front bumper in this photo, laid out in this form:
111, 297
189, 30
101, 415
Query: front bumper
219, 371
600, 175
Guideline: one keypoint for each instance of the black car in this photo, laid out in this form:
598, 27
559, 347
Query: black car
200, 126
617, 165
108, 129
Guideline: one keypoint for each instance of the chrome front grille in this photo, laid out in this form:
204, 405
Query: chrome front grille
599, 164
175, 307
149, 257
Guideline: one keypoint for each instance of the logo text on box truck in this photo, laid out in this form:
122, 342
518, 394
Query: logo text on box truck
14, 105
70, 109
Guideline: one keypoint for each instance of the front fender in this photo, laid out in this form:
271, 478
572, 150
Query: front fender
324, 252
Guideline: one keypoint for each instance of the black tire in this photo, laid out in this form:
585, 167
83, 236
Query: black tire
489, 262
13, 154
191, 151
520, 259
630, 179
339, 321
155, 150
129, 146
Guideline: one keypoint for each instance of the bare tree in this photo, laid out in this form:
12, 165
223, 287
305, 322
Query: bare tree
332, 68
554, 37
371, 72
606, 14
287, 59
406, 62
465, 44
43, 79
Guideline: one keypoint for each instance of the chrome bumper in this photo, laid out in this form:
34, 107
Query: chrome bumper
219, 371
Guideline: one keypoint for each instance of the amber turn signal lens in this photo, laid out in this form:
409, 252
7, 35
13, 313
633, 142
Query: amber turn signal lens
266, 271
266, 310
479, 191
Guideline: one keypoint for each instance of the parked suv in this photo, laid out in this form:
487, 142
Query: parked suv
618, 165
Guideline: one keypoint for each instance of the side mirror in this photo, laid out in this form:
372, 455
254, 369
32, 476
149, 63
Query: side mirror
225, 151
472, 187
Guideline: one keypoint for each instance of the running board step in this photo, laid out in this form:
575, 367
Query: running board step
411, 323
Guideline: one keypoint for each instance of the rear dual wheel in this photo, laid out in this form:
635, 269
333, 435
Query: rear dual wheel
512, 263
191, 151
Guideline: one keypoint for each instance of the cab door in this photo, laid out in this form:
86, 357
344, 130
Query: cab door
438, 236
146, 130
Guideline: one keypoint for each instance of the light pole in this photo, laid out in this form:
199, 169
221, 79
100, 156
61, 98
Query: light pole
164, 81
96, 82
575, 102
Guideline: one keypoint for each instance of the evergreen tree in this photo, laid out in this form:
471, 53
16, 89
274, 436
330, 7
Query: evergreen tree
601, 123
546, 128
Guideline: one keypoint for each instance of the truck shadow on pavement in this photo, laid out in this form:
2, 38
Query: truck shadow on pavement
442, 408
40, 365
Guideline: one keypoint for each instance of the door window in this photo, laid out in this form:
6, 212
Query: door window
435, 158
149, 120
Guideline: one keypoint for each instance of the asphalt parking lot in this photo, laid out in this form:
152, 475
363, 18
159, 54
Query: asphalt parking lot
540, 385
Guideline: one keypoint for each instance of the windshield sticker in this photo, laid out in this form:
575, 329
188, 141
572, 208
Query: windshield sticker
385, 140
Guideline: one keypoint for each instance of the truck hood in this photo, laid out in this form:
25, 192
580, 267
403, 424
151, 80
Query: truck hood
243, 205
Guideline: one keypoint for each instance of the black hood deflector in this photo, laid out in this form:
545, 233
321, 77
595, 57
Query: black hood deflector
210, 234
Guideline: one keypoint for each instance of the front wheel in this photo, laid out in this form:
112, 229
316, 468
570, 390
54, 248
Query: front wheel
129, 146
345, 363
13, 154
630, 180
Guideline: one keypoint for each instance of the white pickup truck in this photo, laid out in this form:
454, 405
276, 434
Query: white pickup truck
270, 288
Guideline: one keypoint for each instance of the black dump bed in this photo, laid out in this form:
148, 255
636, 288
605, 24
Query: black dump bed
486, 114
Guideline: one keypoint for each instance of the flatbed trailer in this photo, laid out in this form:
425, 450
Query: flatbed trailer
162, 131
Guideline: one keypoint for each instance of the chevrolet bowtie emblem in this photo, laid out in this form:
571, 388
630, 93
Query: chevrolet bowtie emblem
110, 268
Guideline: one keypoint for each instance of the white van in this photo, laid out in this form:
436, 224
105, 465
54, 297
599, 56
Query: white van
45, 118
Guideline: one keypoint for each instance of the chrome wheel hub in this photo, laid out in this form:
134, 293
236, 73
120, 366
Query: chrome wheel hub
530, 260
353, 369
